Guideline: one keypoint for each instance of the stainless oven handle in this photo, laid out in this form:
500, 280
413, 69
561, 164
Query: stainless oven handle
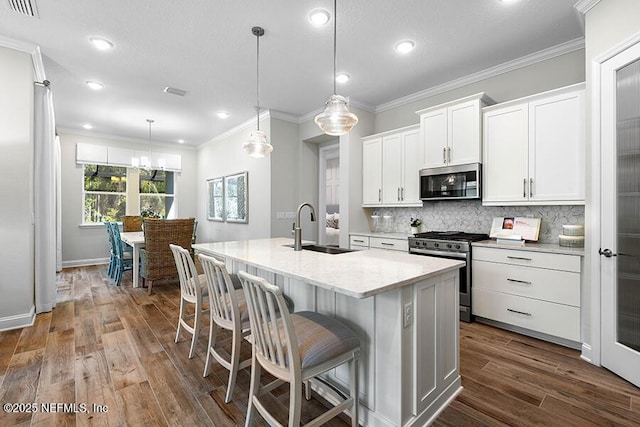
458, 255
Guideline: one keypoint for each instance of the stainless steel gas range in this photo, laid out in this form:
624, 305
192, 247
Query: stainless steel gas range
450, 244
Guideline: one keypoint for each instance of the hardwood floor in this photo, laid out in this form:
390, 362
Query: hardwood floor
114, 347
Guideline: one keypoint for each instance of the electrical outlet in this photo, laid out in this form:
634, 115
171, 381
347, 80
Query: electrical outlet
407, 314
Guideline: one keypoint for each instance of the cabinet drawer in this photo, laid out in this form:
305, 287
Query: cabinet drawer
392, 244
550, 318
355, 240
548, 285
528, 258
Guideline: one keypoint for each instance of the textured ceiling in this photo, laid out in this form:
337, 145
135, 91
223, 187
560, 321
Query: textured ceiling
206, 48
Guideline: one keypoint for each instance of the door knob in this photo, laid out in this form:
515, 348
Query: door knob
607, 253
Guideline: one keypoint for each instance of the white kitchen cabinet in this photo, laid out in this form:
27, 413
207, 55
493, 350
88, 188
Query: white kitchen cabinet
391, 162
389, 242
534, 149
451, 132
372, 171
535, 291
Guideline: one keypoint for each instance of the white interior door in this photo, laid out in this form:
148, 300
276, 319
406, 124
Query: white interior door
620, 208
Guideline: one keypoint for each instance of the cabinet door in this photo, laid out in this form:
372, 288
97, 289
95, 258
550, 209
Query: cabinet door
372, 172
391, 169
556, 148
464, 133
434, 138
505, 155
411, 154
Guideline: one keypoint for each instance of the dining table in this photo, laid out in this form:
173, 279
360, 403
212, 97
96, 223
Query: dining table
135, 239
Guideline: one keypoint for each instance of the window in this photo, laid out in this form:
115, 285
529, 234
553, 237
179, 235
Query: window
157, 192
104, 193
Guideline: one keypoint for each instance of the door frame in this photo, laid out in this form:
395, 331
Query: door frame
325, 153
592, 351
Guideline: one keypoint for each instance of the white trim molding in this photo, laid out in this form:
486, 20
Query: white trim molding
18, 321
583, 6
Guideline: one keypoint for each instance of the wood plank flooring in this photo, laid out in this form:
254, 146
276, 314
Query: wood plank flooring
114, 347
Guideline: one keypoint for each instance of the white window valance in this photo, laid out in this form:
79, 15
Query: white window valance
114, 156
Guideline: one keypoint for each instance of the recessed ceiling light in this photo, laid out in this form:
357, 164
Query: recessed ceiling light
222, 114
509, 1
87, 126
101, 43
94, 85
319, 17
405, 46
181, 141
342, 78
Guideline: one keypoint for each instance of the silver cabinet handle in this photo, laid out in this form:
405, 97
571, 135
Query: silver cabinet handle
448, 154
379, 194
519, 312
518, 257
398, 193
444, 155
387, 244
358, 241
524, 187
530, 187
519, 281
401, 193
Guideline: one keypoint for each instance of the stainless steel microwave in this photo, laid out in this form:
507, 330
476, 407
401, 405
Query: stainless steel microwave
451, 182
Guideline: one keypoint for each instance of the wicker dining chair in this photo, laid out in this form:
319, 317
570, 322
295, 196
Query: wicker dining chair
157, 261
295, 348
131, 223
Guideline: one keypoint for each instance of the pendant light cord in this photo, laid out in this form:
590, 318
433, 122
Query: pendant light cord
335, 31
258, 79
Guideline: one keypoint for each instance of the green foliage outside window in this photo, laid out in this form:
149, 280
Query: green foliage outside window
105, 189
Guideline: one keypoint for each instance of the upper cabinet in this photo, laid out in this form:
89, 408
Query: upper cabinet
452, 132
534, 149
390, 165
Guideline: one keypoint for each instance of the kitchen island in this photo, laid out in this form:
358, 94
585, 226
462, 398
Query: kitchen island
403, 307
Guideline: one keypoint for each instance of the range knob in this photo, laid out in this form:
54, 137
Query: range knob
449, 245
457, 246
436, 245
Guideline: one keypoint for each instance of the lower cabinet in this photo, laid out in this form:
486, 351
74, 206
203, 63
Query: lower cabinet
362, 241
536, 291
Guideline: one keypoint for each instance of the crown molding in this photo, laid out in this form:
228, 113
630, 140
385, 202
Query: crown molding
543, 55
242, 126
31, 49
284, 116
583, 6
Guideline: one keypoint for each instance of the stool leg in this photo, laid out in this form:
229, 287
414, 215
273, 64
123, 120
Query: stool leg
353, 365
295, 403
254, 389
180, 317
236, 342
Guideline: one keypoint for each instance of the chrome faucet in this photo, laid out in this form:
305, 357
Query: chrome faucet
297, 230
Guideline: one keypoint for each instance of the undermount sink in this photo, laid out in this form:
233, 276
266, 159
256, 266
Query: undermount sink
324, 249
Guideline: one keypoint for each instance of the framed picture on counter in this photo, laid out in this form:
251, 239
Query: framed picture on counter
515, 228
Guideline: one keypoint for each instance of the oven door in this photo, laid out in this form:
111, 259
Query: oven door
464, 280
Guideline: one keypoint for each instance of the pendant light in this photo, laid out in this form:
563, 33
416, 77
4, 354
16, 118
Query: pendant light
336, 119
257, 145
145, 161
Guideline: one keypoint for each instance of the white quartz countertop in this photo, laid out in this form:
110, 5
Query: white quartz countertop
553, 248
359, 274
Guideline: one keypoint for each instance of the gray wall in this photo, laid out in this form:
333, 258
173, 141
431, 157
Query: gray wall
225, 156
84, 245
550, 74
16, 174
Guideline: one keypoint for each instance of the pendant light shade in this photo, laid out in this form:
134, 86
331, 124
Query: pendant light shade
257, 145
336, 119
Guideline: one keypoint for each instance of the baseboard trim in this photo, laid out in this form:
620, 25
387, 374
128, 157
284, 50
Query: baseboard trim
18, 321
84, 262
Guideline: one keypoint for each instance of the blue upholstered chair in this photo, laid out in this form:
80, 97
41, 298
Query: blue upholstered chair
124, 260
112, 252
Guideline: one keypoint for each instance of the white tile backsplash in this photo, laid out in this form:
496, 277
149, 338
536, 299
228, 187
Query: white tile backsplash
472, 217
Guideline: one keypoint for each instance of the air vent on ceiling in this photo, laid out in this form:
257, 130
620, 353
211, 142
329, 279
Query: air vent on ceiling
26, 7
174, 91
